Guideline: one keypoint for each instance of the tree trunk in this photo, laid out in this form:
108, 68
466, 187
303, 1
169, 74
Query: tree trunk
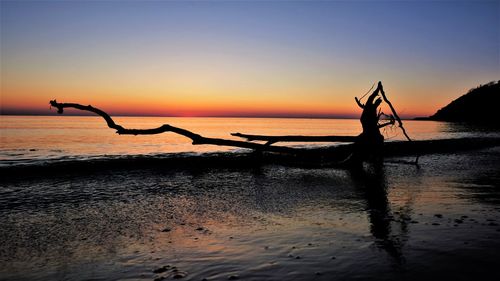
368, 145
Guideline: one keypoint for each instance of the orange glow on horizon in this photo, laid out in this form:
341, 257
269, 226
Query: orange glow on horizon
184, 59
18, 101
285, 99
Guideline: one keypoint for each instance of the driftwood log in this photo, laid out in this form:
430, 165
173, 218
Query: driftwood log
196, 138
367, 145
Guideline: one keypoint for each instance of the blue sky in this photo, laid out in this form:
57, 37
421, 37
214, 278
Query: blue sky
243, 51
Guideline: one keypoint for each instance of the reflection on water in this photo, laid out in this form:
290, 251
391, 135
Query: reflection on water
34, 139
457, 127
273, 223
383, 222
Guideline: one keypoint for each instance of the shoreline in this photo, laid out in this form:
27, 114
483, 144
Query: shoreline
265, 223
307, 157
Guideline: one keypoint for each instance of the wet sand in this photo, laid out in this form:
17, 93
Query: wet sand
439, 222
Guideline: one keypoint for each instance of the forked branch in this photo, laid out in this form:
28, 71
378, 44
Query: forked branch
394, 113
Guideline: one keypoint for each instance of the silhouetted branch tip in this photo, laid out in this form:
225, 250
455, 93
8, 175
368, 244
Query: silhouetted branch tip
57, 105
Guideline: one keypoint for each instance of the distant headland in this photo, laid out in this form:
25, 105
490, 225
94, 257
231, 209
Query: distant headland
480, 105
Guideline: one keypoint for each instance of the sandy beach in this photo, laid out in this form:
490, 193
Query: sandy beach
266, 223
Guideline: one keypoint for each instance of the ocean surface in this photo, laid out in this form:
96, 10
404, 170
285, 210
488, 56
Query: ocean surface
439, 221
26, 140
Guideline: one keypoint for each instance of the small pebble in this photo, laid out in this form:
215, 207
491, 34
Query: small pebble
179, 275
166, 229
161, 269
200, 228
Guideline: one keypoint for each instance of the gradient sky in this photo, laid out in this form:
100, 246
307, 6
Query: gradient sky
280, 58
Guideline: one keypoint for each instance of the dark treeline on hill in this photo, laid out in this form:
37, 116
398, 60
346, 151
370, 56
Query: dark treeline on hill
480, 105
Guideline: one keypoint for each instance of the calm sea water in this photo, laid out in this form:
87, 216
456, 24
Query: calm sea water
31, 139
437, 222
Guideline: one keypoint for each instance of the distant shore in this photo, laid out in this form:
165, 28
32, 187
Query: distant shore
477, 106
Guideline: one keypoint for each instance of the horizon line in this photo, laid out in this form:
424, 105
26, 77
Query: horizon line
206, 116
186, 116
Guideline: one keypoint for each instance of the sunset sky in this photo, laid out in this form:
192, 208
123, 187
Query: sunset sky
279, 58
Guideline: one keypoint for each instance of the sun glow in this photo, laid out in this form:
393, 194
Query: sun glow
217, 59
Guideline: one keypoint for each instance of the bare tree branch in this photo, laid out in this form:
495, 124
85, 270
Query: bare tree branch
196, 138
362, 106
274, 139
395, 114
367, 145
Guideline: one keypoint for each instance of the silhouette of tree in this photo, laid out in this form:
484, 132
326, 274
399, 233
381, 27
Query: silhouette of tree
367, 145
